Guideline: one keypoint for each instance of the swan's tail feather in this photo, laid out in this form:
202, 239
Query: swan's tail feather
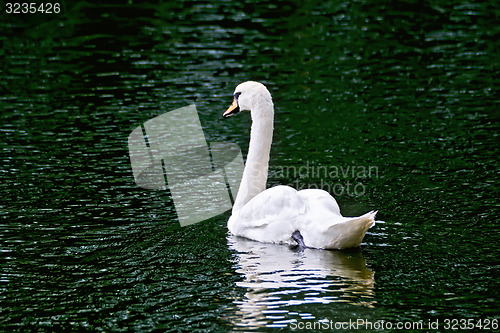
372, 216
351, 233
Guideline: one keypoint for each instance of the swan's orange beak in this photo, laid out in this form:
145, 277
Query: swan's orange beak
233, 109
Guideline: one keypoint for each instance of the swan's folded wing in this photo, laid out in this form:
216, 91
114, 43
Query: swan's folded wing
317, 200
274, 201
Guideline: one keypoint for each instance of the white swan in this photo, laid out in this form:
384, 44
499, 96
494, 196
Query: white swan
281, 214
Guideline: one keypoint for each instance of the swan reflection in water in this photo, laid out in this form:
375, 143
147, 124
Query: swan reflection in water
278, 277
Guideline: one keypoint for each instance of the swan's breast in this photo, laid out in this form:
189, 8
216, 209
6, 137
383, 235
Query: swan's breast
271, 216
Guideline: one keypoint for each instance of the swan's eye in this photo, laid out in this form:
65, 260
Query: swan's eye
236, 95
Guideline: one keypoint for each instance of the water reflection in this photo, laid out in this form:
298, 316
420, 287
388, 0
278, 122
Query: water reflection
278, 277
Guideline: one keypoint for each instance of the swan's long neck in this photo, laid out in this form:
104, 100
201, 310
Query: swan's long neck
261, 135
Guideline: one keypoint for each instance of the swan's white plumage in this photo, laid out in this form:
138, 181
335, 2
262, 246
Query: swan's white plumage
273, 215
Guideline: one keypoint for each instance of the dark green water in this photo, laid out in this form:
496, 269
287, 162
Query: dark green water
408, 88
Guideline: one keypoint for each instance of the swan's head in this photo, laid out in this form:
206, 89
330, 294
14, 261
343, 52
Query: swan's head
250, 96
